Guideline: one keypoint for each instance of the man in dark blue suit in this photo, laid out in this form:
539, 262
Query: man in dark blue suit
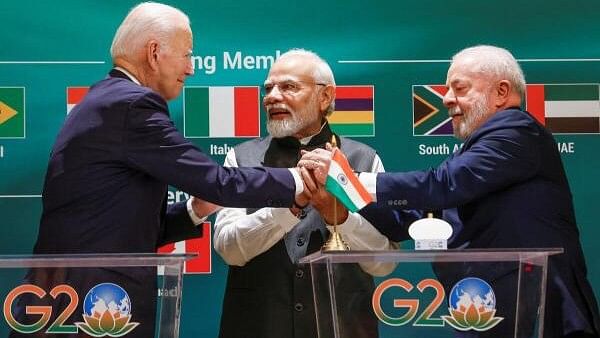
118, 150
505, 188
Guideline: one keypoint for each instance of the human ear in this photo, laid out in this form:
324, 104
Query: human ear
327, 96
152, 54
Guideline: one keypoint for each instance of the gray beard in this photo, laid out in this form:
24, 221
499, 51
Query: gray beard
298, 121
473, 120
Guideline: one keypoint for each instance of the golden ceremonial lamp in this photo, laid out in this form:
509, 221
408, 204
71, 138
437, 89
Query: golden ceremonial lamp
335, 241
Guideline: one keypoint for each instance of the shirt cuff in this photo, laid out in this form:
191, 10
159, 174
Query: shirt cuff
195, 219
297, 180
369, 180
348, 225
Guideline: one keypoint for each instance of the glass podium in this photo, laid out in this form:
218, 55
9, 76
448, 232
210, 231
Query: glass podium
433, 294
92, 295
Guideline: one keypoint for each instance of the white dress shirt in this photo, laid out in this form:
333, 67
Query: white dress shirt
239, 237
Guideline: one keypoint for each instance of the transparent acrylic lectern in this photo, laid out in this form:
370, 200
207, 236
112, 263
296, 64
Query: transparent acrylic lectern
97, 295
432, 294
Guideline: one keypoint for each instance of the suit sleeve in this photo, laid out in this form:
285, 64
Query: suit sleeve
497, 159
178, 225
154, 146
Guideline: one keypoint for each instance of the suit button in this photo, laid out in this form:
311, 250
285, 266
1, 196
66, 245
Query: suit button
299, 273
300, 241
298, 307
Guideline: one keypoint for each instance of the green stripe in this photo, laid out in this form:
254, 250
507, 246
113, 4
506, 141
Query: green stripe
435, 101
354, 129
333, 187
196, 112
570, 92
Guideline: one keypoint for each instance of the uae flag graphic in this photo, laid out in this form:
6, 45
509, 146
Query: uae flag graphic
354, 113
430, 117
74, 96
200, 246
221, 112
566, 108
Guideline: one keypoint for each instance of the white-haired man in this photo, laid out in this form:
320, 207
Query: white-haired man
505, 188
118, 150
268, 294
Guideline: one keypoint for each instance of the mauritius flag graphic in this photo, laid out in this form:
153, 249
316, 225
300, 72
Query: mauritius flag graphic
354, 113
566, 108
221, 112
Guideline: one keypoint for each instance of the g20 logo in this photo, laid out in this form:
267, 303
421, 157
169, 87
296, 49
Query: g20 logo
44, 312
106, 311
471, 303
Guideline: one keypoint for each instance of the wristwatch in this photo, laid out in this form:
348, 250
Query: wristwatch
298, 210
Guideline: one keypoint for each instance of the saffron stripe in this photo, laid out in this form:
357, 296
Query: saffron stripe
339, 157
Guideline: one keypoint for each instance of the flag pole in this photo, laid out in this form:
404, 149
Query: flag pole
335, 241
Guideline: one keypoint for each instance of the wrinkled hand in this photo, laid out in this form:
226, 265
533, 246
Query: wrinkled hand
203, 208
331, 210
318, 162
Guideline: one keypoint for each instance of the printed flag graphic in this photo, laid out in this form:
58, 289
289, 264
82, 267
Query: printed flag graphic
354, 113
221, 112
430, 117
12, 112
201, 246
74, 96
344, 185
566, 108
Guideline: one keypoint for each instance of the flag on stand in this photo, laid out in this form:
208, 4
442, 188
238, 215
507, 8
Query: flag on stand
344, 185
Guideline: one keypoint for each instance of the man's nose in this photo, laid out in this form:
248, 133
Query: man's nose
449, 99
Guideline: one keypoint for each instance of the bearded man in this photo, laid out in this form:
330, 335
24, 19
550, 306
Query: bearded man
268, 294
505, 188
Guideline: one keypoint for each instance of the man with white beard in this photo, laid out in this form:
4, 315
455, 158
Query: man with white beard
505, 188
268, 294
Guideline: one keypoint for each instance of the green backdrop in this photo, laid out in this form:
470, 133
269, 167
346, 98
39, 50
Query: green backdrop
46, 46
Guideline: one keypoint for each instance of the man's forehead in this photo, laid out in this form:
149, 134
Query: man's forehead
292, 69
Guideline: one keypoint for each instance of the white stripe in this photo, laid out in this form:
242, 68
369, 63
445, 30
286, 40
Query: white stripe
20, 196
448, 61
52, 62
572, 108
437, 126
334, 170
221, 115
70, 107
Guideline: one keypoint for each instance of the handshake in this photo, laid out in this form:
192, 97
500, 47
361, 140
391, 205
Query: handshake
312, 169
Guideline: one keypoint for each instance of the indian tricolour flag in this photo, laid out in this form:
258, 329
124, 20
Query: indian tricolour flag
221, 112
566, 108
344, 185
74, 96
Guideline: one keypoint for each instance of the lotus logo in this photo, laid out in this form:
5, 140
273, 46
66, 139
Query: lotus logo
472, 305
107, 312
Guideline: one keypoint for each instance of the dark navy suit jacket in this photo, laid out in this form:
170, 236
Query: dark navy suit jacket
106, 186
506, 188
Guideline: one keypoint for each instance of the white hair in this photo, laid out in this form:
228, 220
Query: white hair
147, 21
496, 61
321, 73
